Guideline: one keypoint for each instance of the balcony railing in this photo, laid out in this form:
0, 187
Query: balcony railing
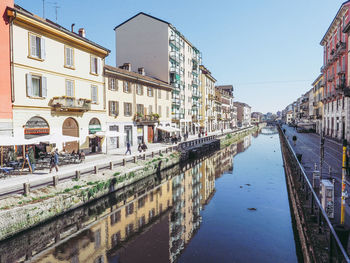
70, 104
340, 70
330, 78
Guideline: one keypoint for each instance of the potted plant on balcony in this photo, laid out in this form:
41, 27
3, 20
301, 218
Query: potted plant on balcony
155, 116
137, 117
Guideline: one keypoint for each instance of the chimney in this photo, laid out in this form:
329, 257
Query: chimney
141, 71
126, 66
82, 32
72, 27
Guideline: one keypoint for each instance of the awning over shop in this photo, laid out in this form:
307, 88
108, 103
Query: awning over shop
109, 133
13, 141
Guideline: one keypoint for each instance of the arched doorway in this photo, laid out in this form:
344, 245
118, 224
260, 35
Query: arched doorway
70, 127
95, 141
35, 127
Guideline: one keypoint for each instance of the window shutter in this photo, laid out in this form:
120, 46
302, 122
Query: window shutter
98, 66
91, 64
110, 107
44, 87
29, 85
71, 57
42, 51
110, 83
32, 40
124, 108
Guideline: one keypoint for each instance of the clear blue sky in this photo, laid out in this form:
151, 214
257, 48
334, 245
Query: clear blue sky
269, 50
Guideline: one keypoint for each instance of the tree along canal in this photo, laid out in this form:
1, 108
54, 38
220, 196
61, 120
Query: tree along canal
209, 212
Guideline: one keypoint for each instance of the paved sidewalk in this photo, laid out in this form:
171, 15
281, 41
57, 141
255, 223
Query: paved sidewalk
15, 182
308, 144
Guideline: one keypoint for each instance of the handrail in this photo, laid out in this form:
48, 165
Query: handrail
316, 198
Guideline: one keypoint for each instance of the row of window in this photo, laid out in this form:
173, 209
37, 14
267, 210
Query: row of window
114, 109
37, 51
339, 103
37, 87
127, 88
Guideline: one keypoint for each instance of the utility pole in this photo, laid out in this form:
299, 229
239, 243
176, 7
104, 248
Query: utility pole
343, 193
321, 150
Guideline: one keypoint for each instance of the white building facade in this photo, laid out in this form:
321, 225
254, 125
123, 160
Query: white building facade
58, 86
149, 42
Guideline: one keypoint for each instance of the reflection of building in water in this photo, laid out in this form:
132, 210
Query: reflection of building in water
185, 218
207, 180
148, 222
224, 160
118, 234
244, 143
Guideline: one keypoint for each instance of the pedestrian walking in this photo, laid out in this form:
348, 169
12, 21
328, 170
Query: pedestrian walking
144, 147
139, 148
294, 140
128, 149
31, 158
54, 160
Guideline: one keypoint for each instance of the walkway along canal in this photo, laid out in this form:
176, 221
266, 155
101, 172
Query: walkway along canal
230, 207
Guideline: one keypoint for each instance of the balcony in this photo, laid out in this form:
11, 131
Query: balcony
175, 56
330, 78
146, 119
315, 104
196, 93
341, 48
70, 104
340, 70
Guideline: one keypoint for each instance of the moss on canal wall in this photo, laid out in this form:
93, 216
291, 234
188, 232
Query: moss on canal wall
20, 212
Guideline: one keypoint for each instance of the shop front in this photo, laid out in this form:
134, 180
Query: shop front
70, 127
95, 141
128, 135
140, 134
150, 132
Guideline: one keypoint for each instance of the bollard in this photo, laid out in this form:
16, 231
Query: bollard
95, 169
152, 154
77, 174
111, 165
144, 156
134, 159
160, 152
166, 150
55, 180
124, 162
26, 188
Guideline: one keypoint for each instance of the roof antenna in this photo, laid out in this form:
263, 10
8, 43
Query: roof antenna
56, 7
44, 9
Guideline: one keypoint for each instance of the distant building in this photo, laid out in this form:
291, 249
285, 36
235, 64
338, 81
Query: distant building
243, 114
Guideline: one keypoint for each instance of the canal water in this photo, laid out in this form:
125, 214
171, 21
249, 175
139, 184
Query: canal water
230, 207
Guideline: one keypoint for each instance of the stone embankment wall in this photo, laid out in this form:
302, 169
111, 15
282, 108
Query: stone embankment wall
20, 212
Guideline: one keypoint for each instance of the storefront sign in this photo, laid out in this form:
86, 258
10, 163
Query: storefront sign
36, 131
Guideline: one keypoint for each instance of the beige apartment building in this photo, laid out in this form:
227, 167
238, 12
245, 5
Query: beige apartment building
207, 89
58, 85
152, 43
139, 107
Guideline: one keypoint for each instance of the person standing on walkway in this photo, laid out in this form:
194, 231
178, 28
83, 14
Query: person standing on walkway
294, 139
31, 158
54, 161
128, 149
